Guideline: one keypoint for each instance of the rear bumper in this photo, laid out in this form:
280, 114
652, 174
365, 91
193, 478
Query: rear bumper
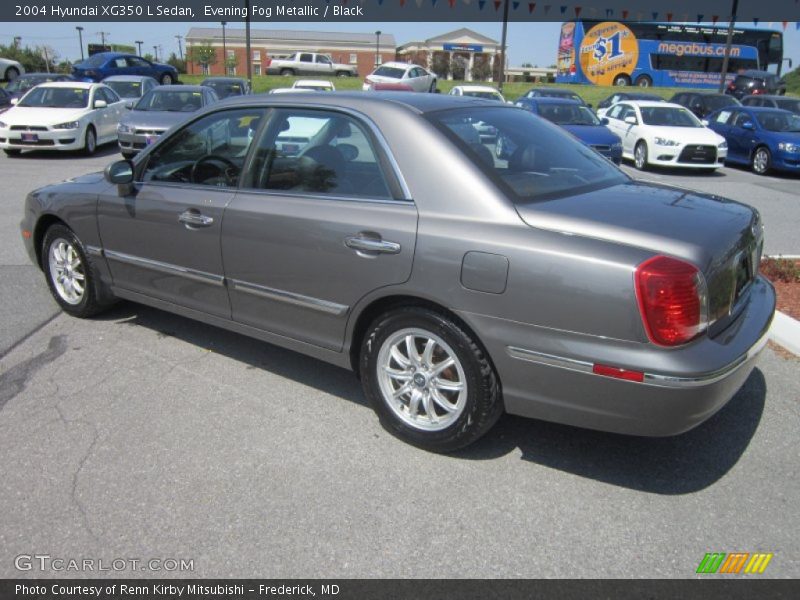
546, 374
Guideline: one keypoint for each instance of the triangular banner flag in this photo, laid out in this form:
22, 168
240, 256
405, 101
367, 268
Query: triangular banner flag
497, 4
755, 21
624, 14
714, 19
547, 8
655, 16
515, 5
609, 12
481, 4
531, 7
669, 17
563, 9
577, 11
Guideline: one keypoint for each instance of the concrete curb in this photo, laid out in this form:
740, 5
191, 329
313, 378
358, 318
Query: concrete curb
786, 332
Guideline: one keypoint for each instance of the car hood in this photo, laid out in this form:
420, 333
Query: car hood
593, 134
705, 230
23, 115
144, 119
686, 135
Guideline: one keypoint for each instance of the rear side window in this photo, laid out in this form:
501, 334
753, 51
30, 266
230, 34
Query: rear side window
318, 153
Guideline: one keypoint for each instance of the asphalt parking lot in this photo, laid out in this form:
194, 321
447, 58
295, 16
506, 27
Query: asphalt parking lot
144, 435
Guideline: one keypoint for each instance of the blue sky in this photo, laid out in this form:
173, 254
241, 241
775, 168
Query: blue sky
527, 42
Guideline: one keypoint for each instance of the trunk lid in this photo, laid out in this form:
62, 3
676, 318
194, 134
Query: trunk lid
721, 237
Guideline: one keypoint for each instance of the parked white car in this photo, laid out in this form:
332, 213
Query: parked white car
478, 91
666, 135
65, 115
314, 85
418, 78
10, 69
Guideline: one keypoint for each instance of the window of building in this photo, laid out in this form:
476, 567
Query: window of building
231, 69
256, 69
353, 59
379, 59
231, 54
256, 55
204, 69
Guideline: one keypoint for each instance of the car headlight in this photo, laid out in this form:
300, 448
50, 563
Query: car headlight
723, 146
665, 142
68, 125
786, 147
123, 128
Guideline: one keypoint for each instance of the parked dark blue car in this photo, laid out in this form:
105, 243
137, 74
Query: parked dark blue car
105, 64
580, 121
764, 138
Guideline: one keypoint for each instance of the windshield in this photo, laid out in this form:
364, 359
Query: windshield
170, 101
487, 94
568, 114
530, 159
225, 88
126, 89
668, 116
21, 84
56, 97
93, 62
716, 102
392, 72
779, 121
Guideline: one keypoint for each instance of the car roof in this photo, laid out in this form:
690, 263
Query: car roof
70, 84
127, 78
650, 103
45, 75
705, 94
550, 100
762, 109
754, 73
324, 82
395, 63
225, 79
553, 90
179, 88
476, 88
374, 101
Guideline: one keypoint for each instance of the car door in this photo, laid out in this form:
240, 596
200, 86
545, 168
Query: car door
116, 66
323, 65
414, 79
305, 66
742, 140
311, 233
162, 237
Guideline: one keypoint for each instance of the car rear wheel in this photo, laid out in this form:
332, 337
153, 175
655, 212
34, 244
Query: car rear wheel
762, 161
343, 74
287, 72
640, 156
622, 80
90, 141
11, 74
167, 79
12, 152
432, 89
429, 382
69, 274
644, 81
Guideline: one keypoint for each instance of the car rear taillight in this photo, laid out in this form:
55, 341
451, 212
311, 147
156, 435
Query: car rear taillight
369, 80
731, 86
672, 299
757, 91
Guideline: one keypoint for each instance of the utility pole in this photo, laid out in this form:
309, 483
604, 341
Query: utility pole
180, 48
728, 44
139, 43
103, 35
225, 49
155, 53
17, 40
377, 48
80, 39
248, 55
503, 48
46, 58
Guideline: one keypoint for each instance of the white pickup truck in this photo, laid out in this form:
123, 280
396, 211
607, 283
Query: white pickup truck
309, 63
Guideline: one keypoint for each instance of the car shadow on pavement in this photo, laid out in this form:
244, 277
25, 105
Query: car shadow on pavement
106, 150
680, 464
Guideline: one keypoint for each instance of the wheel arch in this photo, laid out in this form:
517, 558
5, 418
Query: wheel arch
44, 223
386, 304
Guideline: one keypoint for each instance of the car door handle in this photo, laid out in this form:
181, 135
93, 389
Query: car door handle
195, 219
371, 245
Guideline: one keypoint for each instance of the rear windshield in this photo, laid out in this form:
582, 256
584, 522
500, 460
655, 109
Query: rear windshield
170, 101
225, 88
669, 116
26, 82
779, 121
392, 72
789, 104
93, 61
488, 95
744, 80
126, 89
530, 159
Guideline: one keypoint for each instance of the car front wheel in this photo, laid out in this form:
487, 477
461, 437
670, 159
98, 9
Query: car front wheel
90, 141
429, 382
640, 156
69, 275
762, 161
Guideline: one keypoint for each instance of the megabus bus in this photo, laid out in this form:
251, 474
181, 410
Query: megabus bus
661, 54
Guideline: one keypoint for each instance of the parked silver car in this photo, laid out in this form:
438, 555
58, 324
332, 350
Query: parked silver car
157, 111
393, 242
417, 78
130, 87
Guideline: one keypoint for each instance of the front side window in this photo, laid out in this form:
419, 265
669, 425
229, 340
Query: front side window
532, 159
210, 151
319, 153
135, 61
615, 111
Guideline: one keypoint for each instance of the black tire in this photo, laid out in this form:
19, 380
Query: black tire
90, 141
644, 81
94, 299
12, 152
761, 161
287, 73
11, 74
432, 89
167, 79
128, 155
641, 147
483, 404
622, 80
342, 74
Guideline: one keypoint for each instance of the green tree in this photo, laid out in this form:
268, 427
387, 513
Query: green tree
202, 54
176, 62
440, 65
481, 68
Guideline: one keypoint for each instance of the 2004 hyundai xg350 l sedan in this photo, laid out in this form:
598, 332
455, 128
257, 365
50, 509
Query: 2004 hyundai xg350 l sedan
377, 232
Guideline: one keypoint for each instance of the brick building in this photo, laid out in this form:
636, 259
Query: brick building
461, 50
357, 49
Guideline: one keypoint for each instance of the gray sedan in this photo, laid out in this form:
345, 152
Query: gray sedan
157, 111
130, 87
393, 242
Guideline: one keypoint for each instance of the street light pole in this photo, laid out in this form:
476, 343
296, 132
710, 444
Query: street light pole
103, 35
503, 49
139, 43
377, 48
155, 53
728, 44
80, 39
248, 55
180, 48
224, 49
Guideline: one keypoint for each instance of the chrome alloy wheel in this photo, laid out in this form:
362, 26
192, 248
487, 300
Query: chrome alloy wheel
640, 156
66, 271
421, 379
761, 161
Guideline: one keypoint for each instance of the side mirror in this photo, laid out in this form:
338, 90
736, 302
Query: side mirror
631, 120
14, 100
129, 105
748, 125
100, 103
704, 122
590, 106
603, 121
119, 173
